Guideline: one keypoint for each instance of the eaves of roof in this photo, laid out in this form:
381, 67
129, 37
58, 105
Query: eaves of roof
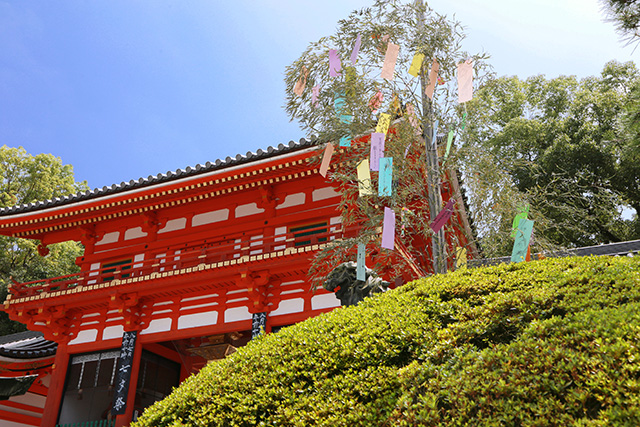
162, 178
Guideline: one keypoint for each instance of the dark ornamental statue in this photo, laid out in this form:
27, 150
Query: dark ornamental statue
349, 290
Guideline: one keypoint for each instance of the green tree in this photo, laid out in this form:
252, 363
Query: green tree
559, 142
24, 179
343, 107
625, 14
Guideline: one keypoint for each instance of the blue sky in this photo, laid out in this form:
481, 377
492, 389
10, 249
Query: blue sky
122, 89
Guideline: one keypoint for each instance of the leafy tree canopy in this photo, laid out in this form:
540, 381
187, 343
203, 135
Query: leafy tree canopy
23, 179
561, 143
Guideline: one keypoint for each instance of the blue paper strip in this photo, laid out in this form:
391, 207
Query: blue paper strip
360, 263
385, 178
434, 138
523, 236
345, 141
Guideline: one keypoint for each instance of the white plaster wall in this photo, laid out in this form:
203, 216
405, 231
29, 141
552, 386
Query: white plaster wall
115, 331
295, 305
236, 314
109, 238
323, 193
292, 200
324, 301
210, 217
157, 325
88, 335
174, 224
248, 209
197, 319
134, 233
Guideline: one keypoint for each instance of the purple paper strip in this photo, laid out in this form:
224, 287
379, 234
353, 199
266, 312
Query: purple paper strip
377, 150
335, 66
356, 50
443, 216
388, 229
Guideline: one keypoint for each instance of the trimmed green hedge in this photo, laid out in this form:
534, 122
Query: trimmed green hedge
545, 343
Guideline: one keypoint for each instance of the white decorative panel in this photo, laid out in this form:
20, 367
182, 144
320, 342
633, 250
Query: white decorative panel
248, 209
295, 305
134, 233
197, 319
158, 325
109, 238
210, 217
324, 301
88, 335
236, 314
173, 224
323, 193
292, 200
115, 331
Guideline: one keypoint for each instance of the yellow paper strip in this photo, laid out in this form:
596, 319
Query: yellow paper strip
364, 179
390, 59
383, 123
326, 159
433, 79
461, 257
416, 64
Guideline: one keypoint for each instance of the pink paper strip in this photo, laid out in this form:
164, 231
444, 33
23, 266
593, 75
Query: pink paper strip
390, 59
356, 50
377, 150
375, 102
334, 63
433, 79
388, 229
443, 216
315, 93
411, 112
326, 159
465, 81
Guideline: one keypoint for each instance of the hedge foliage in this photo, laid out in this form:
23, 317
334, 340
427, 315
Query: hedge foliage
546, 343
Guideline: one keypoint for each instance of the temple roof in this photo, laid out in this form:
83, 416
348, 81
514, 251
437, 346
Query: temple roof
162, 177
26, 345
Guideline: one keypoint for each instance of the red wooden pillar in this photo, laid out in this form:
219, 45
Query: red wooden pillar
56, 388
124, 419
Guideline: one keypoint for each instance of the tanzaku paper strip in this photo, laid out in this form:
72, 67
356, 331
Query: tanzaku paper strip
388, 229
390, 58
326, 159
364, 178
377, 150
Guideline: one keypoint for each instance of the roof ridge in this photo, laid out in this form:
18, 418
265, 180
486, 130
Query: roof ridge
198, 169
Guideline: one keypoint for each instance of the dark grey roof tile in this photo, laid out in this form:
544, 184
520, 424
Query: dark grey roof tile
150, 180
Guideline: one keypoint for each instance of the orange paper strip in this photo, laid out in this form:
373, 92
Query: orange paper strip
326, 159
390, 59
301, 83
433, 79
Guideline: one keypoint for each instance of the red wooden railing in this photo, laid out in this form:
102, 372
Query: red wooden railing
203, 252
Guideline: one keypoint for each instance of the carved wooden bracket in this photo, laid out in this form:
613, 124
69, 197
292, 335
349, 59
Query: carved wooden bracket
136, 312
150, 222
268, 200
257, 284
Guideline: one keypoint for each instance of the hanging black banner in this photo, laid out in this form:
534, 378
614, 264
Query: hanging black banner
123, 375
259, 324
